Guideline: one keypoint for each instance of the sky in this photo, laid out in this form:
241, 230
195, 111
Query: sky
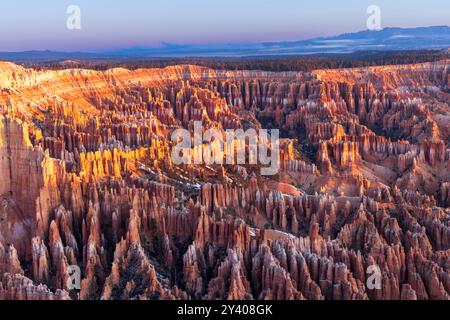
117, 24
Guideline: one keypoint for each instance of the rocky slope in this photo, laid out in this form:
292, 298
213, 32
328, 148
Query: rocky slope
88, 180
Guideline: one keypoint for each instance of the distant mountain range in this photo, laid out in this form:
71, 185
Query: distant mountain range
388, 39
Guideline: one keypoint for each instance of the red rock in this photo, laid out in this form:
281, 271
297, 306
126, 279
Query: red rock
89, 180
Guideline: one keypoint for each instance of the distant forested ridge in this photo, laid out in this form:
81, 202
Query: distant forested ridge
267, 63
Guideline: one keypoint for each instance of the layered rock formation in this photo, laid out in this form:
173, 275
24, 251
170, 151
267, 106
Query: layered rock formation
361, 196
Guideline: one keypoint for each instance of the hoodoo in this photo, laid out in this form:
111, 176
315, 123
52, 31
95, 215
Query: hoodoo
88, 179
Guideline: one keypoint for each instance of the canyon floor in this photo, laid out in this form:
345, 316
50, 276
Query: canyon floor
87, 179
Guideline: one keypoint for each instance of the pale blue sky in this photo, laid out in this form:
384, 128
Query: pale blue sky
113, 24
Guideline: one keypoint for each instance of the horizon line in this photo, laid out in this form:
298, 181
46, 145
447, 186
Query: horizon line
167, 44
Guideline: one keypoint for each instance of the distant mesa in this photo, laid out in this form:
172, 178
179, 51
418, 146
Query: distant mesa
388, 39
